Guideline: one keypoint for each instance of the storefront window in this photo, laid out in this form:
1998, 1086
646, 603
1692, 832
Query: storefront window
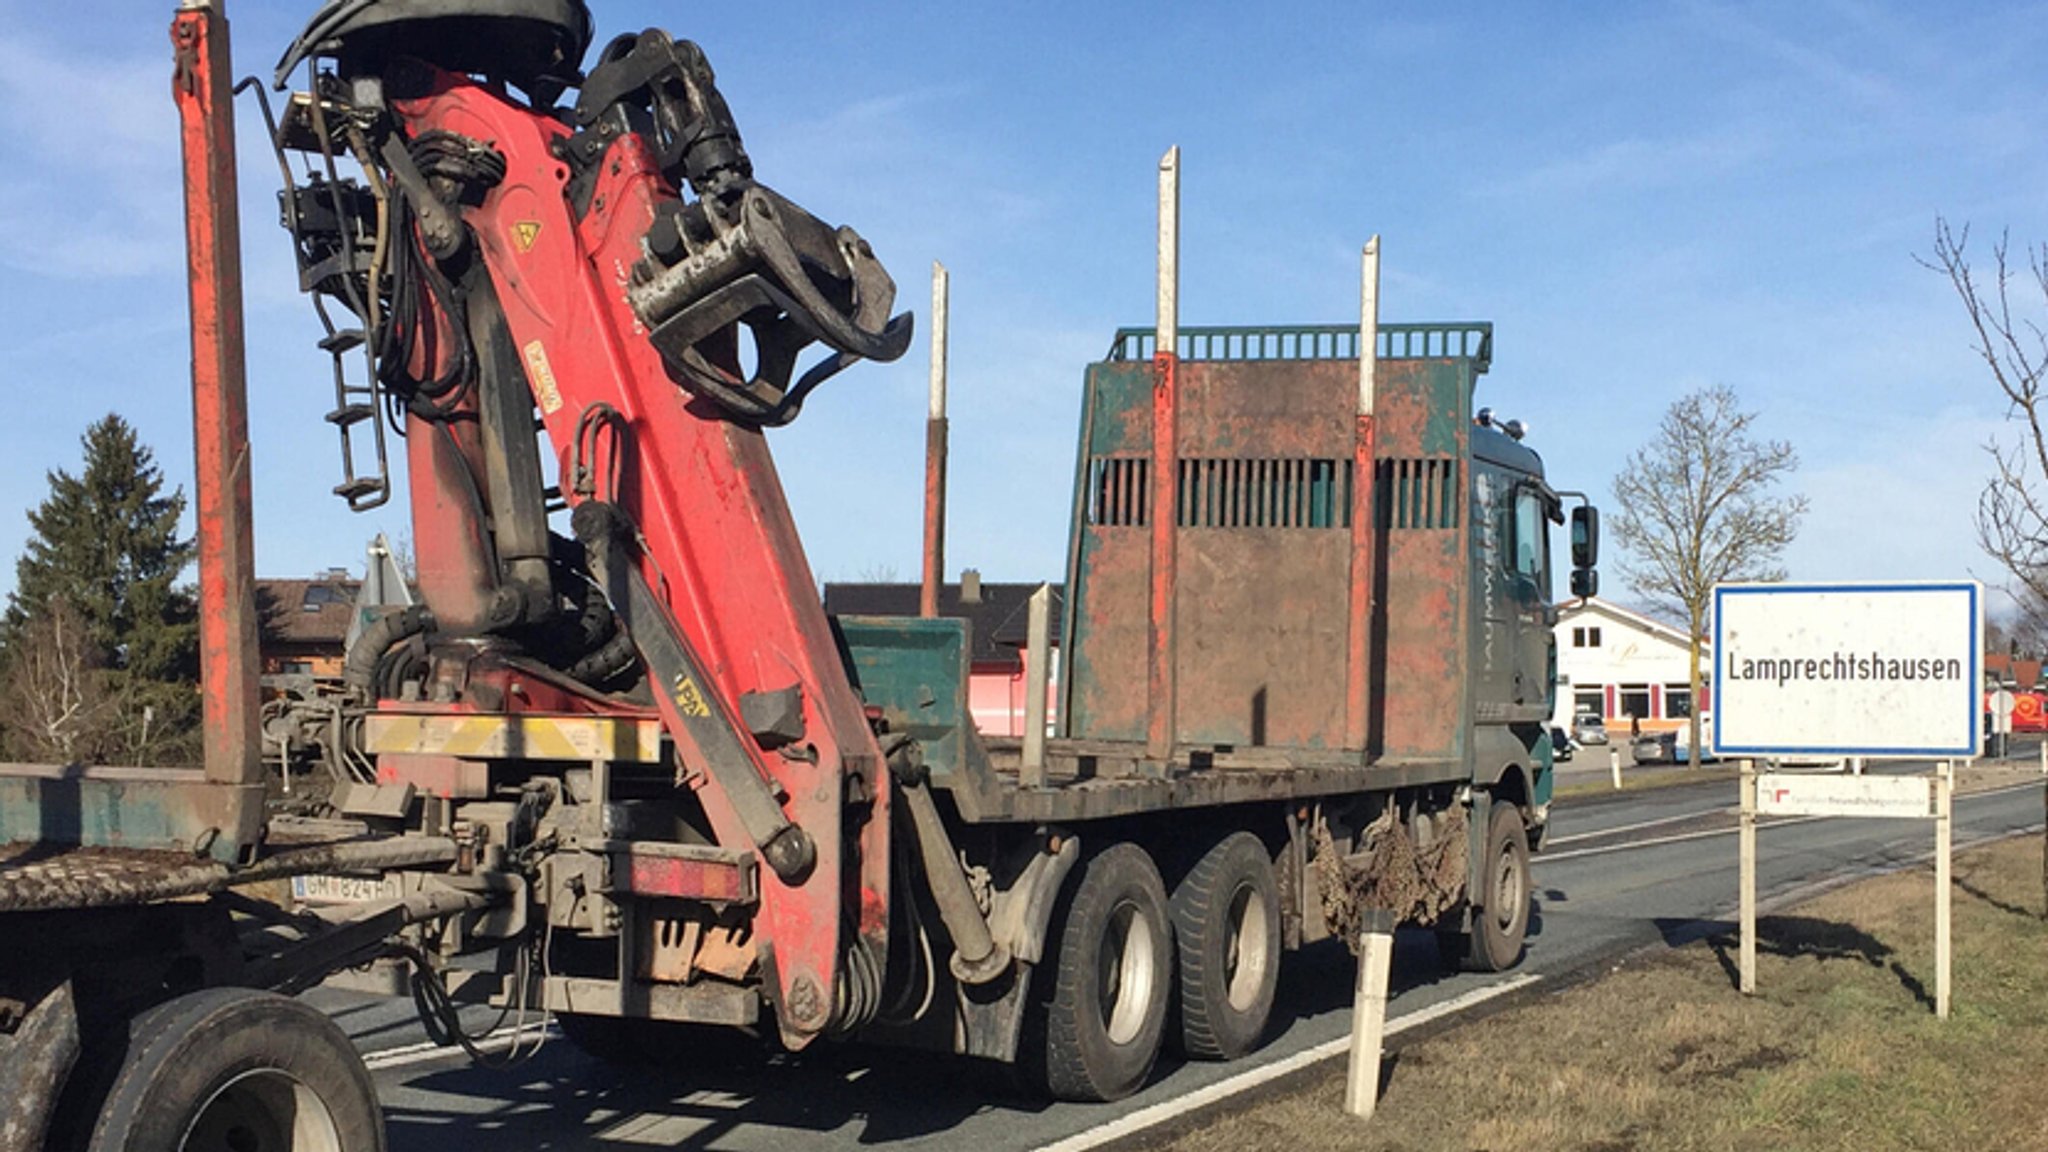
1635, 701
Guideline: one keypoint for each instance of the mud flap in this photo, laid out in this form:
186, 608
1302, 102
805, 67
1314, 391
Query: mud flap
1416, 883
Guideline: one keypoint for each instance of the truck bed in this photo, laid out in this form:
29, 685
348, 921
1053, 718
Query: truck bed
1088, 779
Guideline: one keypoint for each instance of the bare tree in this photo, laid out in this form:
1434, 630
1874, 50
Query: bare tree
2012, 510
59, 707
1696, 508
2021, 628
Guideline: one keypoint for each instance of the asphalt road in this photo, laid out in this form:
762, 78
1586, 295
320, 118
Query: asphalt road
1620, 873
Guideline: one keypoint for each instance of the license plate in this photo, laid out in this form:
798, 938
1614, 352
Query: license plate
344, 889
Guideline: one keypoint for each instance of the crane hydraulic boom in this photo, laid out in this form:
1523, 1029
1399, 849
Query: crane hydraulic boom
604, 265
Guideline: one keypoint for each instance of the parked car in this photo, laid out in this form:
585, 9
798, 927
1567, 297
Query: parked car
1668, 747
1655, 748
1561, 745
1589, 729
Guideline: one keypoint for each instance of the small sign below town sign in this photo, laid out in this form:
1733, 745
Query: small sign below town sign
1790, 794
1870, 670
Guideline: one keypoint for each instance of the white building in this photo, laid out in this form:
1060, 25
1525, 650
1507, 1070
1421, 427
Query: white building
1619, 664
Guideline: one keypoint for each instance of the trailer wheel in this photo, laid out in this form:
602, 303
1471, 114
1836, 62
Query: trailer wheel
1501, 919
238, 1070
1226, 919
1111, 980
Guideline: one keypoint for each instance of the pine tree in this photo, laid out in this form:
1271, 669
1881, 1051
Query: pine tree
106, 545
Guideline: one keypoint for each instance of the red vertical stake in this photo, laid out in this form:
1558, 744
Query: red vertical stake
1364, 510
1357, 672
1159, 735
1161, 507
934, 576
204, 90
935, 431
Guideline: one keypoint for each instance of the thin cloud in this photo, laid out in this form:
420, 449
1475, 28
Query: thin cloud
1801, 56
1636, 164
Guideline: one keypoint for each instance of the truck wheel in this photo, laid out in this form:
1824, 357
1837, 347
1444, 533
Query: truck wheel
1226, 918
239, 1070
1501, 919
1111, 982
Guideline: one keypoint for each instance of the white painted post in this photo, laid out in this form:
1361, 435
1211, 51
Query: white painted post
1944, 843
1369, 1013
1369, 326
942, 293
1167, 335
1614, 765
1747, 851
1036, 674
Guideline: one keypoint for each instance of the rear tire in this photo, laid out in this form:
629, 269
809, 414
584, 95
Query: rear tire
1111, 980
1226, 919
240, 1070
1500, 922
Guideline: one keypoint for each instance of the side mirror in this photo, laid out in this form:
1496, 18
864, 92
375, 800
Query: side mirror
1585, 537
1585, 583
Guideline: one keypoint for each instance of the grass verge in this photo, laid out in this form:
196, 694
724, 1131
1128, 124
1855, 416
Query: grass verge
1839, 1050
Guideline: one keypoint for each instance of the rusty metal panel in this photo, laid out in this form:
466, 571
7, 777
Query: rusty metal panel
171, 809
1121, 395
1264, 558
1109, 566
1267, 409
1262, 632
1110, 628
1262, 476
1422, 624
1265, 478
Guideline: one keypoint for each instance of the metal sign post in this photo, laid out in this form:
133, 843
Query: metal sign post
1888, 797
1747, 850
1944, 846
1878, 671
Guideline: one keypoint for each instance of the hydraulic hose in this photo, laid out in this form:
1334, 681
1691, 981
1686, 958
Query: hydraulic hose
359, 669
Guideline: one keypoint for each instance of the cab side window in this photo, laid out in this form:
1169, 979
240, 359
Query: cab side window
1530, 543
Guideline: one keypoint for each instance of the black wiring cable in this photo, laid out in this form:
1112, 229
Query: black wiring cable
441, 1018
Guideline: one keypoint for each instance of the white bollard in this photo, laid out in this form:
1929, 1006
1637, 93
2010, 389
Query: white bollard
1614, 764
1369, 1012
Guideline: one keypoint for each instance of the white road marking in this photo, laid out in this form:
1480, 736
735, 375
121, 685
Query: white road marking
1654, 841
1159, 1113
1605, 832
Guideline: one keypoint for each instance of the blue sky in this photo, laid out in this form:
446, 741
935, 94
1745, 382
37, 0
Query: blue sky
1643, 199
